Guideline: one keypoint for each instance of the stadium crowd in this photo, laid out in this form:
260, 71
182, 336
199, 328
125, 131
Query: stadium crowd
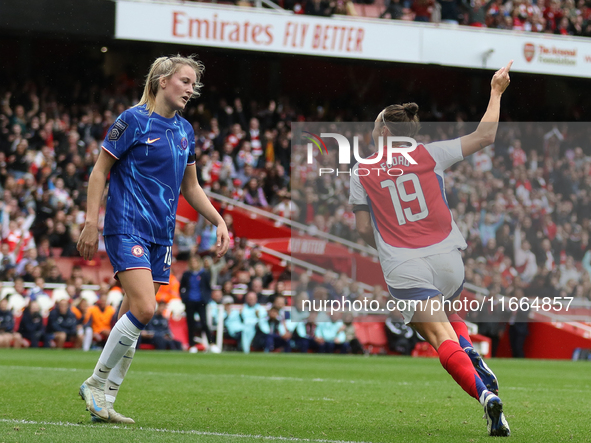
565, 17
523, 205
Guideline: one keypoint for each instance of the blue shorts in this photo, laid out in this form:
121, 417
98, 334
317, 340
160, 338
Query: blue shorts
128, 252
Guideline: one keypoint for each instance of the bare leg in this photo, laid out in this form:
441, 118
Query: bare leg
60, 339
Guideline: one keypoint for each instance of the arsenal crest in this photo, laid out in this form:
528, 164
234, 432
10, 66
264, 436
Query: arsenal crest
529, 49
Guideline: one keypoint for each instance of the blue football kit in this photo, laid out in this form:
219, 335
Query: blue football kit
152, 153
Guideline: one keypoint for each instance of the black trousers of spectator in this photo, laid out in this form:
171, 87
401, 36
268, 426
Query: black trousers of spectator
33, 337
275, 341
161, 342
326, 348
301, 343
259, 340
192, 307
356, 347
517, 334
494, 343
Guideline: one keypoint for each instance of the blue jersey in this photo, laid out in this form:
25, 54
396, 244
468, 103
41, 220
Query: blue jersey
152, 153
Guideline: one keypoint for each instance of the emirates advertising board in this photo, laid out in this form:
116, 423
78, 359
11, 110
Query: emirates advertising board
351, 37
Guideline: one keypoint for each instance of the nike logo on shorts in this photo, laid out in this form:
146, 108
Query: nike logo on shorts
165, 268
122, 344
150, 141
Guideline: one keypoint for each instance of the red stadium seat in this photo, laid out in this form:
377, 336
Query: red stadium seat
372, 336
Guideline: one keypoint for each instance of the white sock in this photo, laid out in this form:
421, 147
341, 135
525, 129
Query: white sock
87, 339
118, 373
483, 396
125, 332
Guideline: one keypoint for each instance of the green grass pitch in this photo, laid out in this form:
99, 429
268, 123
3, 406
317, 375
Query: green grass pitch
178, 397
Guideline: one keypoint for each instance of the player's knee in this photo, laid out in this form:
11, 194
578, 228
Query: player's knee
145, 314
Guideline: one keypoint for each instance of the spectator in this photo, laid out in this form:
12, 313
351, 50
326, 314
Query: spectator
395, 9
491, 320
233, 319
401, 337
330, 334
31, 326
171, 291
38, 291
278, 336
185, 238
19, 287
254, 195
195, 293
422, 10
351, 340
256, 286
54, 275
213, 314
62, 326
158, 333
449, 11
207, 238
286, 207
568, 272
99, 317
8, 337
518, 326
319, 8
525, 260
489, 226
255, 326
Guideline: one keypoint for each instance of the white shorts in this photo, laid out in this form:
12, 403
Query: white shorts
426, 277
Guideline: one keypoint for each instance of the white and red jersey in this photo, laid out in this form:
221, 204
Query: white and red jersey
14, 237
408, 207
255, 142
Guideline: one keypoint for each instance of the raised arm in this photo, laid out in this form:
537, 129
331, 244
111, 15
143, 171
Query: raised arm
88, 241
196, 197
35, 109
487, 129
6, 104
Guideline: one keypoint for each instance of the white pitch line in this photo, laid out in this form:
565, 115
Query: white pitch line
173, 431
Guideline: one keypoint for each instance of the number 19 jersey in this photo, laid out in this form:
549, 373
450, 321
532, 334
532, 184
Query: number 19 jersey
407, 203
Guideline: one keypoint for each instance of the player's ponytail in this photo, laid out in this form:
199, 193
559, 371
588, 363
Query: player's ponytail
167, 67
402, 120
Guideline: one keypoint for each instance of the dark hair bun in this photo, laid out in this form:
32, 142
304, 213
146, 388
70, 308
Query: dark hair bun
411, 108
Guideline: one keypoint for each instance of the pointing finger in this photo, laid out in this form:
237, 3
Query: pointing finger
508, 67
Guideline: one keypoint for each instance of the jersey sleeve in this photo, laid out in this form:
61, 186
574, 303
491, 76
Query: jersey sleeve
446, 153
357, 194
121, 135
191, 159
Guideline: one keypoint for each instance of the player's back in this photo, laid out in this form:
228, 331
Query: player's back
407, 202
